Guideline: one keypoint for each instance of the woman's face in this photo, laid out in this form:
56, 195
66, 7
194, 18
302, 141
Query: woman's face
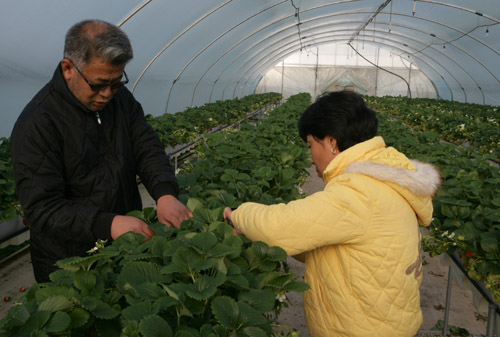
322, 152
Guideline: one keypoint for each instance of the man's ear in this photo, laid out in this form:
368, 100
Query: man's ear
67, 69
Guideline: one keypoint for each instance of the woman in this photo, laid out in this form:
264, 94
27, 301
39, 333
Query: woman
359, 237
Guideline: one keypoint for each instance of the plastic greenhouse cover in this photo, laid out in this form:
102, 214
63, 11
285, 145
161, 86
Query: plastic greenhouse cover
190, 52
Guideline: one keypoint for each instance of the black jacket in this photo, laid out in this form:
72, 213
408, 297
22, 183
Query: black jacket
74, 174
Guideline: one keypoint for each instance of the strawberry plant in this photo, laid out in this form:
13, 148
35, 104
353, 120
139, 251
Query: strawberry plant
186, 126
8, 198
466, 208
459, 123
199, 280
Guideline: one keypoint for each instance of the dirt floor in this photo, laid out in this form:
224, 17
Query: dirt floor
17, 273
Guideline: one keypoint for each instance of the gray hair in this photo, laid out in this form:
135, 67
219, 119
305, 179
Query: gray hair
95, 38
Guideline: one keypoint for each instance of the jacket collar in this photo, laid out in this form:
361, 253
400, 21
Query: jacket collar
374, 159
415, 181
61, 87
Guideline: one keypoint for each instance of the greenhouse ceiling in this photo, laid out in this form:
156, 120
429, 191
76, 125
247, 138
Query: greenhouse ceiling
190, 52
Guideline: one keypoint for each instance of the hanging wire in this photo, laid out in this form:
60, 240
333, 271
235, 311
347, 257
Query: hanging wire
297, 15
390, 19
455, 39
379, 67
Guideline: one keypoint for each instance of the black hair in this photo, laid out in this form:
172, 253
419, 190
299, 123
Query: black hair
342, 115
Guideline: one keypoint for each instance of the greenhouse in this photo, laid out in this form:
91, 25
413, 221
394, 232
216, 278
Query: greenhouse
220, 88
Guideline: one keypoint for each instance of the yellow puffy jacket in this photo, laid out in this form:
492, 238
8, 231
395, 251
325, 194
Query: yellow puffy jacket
359, 238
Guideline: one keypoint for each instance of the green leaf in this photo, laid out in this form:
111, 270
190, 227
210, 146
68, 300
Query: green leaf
36, 321
188, 260
62, 277
76, 263
264, 279
105, 311
203, 288
204, 240
261, 300
276, 254
60, 321
227, 311
249, 316
162, 303
155, 326
194, 204
297, 286
56, 303
18, 316
253, 331
490, 242
220, 250
99, 308
78, 318
85, 281
137, 312
137, 272
136, 214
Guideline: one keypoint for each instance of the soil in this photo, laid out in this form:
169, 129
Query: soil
17, 273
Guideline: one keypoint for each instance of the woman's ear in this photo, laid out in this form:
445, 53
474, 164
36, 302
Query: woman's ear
332, 144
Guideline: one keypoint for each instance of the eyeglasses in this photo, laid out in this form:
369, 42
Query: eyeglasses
99, 87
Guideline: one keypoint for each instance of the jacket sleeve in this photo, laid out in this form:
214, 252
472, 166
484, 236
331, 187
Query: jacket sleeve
337, 215
38, 165
153, 164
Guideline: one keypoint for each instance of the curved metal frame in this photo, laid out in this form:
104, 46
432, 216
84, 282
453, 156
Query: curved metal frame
291, 50
426, 57
260, 51
439, 23
212, 42
310, 20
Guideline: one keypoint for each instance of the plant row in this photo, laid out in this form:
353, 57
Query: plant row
185, 126
459, 123
199, 280
8, 198
467, 206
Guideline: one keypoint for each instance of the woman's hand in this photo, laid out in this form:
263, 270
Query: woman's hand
227, 216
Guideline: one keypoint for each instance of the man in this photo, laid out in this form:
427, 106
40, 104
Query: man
78, 147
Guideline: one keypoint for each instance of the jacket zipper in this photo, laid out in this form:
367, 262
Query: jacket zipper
98, 117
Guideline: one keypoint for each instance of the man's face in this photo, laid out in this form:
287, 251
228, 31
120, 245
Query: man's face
97, 71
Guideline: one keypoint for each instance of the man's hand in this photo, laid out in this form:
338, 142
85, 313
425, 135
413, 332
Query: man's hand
171, 211
122, 224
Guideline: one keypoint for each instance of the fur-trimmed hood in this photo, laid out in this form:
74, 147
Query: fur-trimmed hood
416, 181
424, 181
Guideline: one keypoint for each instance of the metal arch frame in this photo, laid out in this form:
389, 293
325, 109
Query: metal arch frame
133, 12
292, 34
175, 39
437, 50
306, 10
329, 39
198, 21
465, 9
378, 44
335, 14
423, 62
426, 57
212, 42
